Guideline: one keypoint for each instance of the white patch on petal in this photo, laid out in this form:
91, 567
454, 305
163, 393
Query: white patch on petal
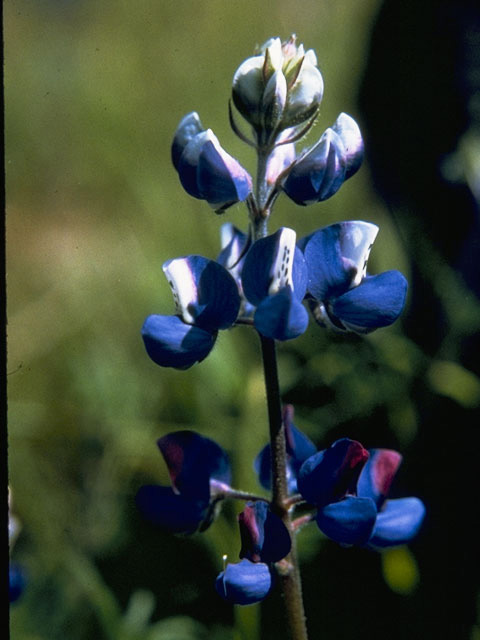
356, 240
184, 289
281, 270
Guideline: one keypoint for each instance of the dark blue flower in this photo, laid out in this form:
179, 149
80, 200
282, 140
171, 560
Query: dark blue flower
17, 581
245, 582
265, 540
349, 486
274, 281
206, 170
264, 536
342, 295
200, 475
206, 298
319, 172
299, 448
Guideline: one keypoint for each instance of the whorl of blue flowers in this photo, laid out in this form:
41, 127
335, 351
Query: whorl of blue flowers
271, 282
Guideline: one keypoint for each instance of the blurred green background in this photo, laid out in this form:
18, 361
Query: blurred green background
93, 93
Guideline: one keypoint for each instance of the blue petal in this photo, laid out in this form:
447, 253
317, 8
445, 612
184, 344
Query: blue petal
221, 179
329, 475
193, 461
281, 316
172, 343
187, 129
377, 475
349, 132
188, 163
172, 512
376, 302
273, 263
245, 582
336, 257
398, 522
350, 521
319, 174
299, 447
17, 580
264, 536
206, 295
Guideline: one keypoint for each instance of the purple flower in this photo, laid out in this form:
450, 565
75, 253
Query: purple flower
349, 486
265, 540
200, 475
319, 172
206, 170
274, 281
342, 295
206, 298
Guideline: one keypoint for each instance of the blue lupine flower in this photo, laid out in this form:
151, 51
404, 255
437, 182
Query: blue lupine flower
265, 540
17, 576
264, 536
349, 486
345, 298
206, 170
200, 475
207, 300
245, 582
274, 280
17, 581
319, 172
299, 448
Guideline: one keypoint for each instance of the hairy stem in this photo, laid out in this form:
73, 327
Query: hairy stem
288, 569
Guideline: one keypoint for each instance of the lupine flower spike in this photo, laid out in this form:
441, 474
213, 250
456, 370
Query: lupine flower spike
269, 282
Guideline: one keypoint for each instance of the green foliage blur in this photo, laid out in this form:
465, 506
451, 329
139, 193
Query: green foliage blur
93, 93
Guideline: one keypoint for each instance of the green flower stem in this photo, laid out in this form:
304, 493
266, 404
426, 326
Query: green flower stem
243, 495
288, 569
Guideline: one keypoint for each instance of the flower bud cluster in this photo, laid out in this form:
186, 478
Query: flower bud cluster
277, 89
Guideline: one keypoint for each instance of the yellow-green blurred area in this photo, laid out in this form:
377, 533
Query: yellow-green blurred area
93, 93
